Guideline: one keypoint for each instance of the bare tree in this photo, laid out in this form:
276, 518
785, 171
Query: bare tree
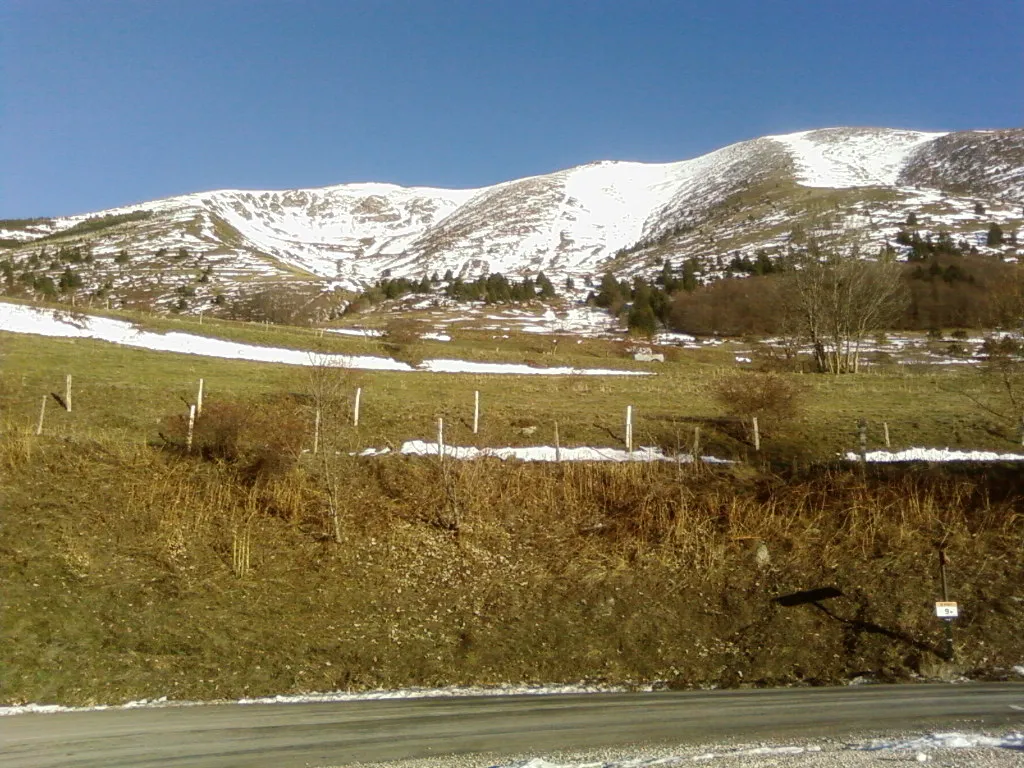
837, 301
330, 382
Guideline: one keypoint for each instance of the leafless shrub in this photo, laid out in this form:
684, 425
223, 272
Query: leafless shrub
772, 398
263, 439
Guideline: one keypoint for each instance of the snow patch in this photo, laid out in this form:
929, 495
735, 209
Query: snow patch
543, 453
950, 740
933, 454
838, 158
16, 318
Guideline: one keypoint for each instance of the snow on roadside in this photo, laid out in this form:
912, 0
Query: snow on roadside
17, 318
337, 696
921, 748
933, 454
950, 740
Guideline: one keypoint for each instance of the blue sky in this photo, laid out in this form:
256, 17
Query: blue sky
106, 103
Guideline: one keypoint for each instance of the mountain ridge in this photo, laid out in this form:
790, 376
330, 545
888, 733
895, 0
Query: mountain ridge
846, 186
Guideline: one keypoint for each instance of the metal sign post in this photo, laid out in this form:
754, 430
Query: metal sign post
946, 609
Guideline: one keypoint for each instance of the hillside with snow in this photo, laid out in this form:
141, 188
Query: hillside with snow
841, 186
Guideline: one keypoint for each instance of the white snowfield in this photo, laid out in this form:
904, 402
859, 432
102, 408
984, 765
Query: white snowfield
17, 318
541, 453
933, 454
865, 157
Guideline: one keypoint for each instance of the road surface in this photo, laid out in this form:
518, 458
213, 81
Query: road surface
328, 734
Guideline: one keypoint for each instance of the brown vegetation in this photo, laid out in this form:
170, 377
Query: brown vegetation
143, 572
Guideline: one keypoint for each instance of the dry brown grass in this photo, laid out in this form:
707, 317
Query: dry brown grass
165, 574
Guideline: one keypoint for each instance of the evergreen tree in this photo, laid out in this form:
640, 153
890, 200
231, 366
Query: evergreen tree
912, 219
44, 285
69, 280
609, 295
544, 287
641, 319
448, 276
995, 235
689, 281
528, 289
979, 209
122, 257
569, 284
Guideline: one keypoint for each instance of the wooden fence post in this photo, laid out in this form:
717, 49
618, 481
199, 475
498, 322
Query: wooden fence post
355, 409
191, 427
42, 415
199, 399
440, 438
757, 435
67, 392
885, 431
476, 411
558, 446
629, 428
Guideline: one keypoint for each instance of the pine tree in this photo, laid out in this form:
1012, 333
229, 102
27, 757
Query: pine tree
609, 295
641, 319
979, 209
544, 286
995, 235
569, 284
69, 280
690, 275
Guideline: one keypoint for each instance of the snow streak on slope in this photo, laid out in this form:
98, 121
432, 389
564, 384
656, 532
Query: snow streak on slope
852, 157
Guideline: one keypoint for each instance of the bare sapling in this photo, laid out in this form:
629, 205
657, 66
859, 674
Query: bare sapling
67, 393
329, 386
42, 416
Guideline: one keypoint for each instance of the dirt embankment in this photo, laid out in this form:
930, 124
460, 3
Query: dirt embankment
129, 572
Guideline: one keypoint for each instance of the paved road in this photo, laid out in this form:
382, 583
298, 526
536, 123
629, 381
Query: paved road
286, 735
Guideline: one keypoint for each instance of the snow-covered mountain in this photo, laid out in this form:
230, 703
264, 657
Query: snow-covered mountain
844, 186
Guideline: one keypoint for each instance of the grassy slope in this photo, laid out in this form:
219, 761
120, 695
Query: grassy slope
125, 570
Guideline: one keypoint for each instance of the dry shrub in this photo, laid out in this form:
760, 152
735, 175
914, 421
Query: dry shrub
402, 340
772, 398
262, 438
